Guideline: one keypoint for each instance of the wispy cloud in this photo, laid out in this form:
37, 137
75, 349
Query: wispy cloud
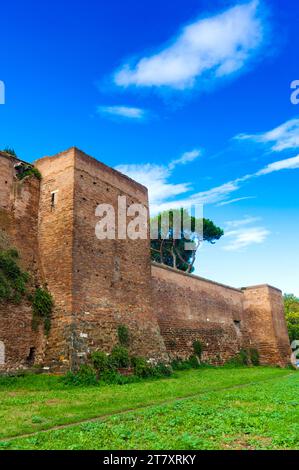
187, 157
155, 178
210, 48
127, 112
283, 137
287, 164
237, 199
164, 195
241, 222
243, 237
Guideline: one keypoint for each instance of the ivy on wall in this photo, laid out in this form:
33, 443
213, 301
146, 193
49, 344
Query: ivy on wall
14, 287
42, 306
12, 279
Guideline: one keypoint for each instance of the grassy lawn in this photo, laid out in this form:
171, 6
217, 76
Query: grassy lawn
261, 415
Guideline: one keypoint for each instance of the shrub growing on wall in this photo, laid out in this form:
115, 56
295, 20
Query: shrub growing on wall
30, 171
123, 335
197, 348
254, 357
42, 305
12, 279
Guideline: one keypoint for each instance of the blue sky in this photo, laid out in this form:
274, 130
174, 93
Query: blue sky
191, 99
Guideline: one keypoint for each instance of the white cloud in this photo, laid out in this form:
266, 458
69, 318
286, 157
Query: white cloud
164, 195
155, 178
287, 164
283, 137
210, 196
162, 192
243, 237
127, 112
210, 48
187, 157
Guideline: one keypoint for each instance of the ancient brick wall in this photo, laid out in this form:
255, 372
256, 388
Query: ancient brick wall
111, 277
190, 308
19, 201
265, 320
99, 284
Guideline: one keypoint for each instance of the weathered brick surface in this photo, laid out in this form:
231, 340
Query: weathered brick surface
265, 320
222, 318
111, 278
19, 203
99, 284
190, 308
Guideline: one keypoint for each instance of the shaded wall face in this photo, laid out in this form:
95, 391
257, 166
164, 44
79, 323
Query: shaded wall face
190, 309
19, 202
264, 313
111, 277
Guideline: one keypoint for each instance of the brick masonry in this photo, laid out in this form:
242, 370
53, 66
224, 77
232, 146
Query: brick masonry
100, 284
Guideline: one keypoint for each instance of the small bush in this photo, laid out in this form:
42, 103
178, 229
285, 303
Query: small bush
254, 357
119, 357
197, 348
141, 367
144, 370
178, 364
100, 361
162, 370
113, 377
244, 356
42, 306
85, 376
123, 335
194, 362
240, 359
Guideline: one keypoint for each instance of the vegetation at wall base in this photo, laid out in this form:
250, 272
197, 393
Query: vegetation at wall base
105, 368
85, 376
254, 357
240, 359
119, 357
197, 348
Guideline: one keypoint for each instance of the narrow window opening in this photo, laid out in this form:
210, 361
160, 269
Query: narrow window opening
237, 324
53, 199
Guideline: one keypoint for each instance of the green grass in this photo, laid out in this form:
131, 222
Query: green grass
265, 415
